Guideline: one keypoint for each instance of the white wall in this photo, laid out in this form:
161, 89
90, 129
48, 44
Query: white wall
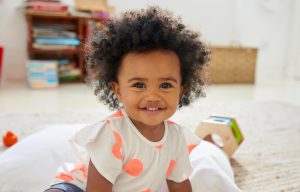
265, 24
215, 19
293, 67
13, 33
259, 23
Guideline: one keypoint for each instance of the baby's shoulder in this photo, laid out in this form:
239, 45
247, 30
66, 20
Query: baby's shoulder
181, 132
175, 131
174, 127
108, 126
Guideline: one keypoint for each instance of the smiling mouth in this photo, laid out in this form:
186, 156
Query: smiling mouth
152, 109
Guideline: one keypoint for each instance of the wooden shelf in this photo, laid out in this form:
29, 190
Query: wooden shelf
80, 25
65, 15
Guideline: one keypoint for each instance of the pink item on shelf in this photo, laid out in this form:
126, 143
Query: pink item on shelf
47, 6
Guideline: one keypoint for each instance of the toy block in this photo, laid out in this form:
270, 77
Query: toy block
224, 128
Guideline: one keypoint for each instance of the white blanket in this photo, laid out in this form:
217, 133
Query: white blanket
30, 165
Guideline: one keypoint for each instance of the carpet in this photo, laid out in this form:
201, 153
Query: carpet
268, 159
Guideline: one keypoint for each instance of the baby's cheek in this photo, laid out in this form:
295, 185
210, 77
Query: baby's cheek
174, 103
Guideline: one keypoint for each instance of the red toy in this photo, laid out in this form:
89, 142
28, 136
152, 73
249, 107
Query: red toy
10, 139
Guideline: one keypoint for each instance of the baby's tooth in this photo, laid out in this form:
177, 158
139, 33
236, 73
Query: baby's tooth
152, 109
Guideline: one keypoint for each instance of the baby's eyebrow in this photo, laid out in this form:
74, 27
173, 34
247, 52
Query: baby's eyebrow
137, 79
169, 79
145, 79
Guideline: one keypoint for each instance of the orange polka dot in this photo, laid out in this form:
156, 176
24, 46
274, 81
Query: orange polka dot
117, 137
191, 147
134, 167
147, 190
159, 146
118, 114
80, 167
170, 167
107, 121
170, 122
65, 177
116, 150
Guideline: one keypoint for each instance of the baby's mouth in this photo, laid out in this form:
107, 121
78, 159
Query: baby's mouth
152, 109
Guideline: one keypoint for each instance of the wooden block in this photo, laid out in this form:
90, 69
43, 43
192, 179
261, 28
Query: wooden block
224, 127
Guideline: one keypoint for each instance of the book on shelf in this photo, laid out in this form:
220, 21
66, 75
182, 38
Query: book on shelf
52, 33
62, 41
54, 37
46, 6
73, 74
46, 13
53, 47
55, 26
68, 70
42, 74
43, 7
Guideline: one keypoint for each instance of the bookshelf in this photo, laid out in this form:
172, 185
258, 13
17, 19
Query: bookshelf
67, 33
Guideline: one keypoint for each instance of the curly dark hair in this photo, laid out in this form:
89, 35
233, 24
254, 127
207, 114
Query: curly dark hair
139, 32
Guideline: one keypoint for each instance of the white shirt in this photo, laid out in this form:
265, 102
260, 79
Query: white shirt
126, 158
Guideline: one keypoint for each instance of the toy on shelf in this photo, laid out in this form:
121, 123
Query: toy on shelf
222, 131
10, 139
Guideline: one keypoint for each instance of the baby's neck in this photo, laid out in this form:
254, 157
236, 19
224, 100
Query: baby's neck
152, 133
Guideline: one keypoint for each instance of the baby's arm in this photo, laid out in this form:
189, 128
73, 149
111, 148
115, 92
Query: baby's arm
96, 182
179, 187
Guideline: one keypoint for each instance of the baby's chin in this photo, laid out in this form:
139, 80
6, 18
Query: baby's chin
148, 123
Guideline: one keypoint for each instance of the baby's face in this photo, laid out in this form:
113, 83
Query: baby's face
149, 86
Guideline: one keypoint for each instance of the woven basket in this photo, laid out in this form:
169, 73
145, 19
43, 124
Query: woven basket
232, 65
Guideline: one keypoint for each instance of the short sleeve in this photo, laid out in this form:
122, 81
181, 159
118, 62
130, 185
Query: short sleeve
104, 147
191, 138
182, 168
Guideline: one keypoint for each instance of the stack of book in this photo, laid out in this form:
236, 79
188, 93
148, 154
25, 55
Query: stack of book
42, 74
68, 71
55, 36
54, 7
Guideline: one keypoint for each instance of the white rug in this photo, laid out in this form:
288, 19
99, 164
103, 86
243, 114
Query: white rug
268, 159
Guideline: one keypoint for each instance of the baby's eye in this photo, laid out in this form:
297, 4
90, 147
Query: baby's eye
139, 85
165, 85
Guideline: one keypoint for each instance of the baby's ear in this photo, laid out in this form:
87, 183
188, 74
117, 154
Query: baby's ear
183, 90
116, 89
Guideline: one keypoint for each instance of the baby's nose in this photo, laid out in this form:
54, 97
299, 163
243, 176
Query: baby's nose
152, 96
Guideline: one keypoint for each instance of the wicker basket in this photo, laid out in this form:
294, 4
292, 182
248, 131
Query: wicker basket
232, 65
